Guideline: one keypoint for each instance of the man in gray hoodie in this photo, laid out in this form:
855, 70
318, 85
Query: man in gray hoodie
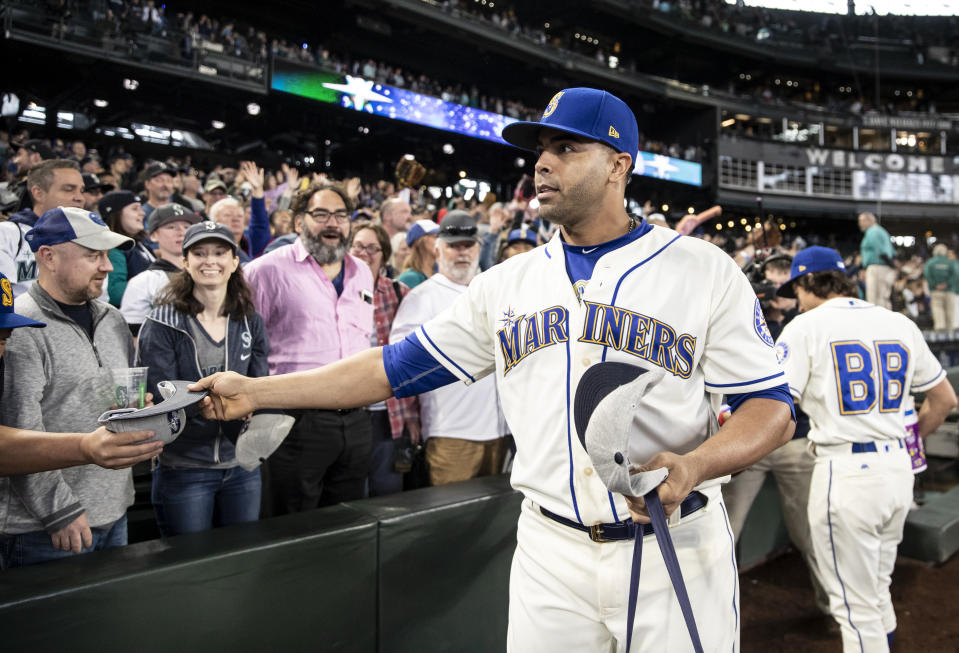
59, 379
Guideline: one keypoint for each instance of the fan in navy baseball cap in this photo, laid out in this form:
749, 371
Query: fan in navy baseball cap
8, 319
587, 112
807, 261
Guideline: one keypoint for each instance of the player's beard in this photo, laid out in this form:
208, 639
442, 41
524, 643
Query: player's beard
323, 253
575, 202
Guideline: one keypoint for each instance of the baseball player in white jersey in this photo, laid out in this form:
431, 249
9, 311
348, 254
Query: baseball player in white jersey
851, 365
607, 287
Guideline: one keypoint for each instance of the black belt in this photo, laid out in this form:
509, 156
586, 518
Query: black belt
626, 529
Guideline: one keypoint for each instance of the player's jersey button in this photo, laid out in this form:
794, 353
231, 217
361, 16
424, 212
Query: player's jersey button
588, 471
586, 362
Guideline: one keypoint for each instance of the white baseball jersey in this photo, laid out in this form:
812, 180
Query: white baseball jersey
851, 365
660, 300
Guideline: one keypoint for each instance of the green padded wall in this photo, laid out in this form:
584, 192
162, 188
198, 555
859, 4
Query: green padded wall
444, 560
302, 582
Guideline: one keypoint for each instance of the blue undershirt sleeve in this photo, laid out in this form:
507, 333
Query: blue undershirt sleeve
779, 393
412, 370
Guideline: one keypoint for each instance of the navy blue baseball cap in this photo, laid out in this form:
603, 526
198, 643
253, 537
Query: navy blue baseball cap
588, 112
522, 235
807, 261
9, 319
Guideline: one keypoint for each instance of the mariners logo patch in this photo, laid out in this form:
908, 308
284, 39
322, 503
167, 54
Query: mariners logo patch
782, 352
551, 107
759, 323
174, 420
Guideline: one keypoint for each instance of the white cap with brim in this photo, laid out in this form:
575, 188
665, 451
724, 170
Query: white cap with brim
67, 224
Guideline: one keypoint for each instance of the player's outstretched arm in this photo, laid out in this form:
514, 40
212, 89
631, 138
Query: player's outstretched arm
940, 400
356, 381
28, 452
756, 428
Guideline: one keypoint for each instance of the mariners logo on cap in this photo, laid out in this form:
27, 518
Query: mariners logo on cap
174, 420
551, 107
759, 323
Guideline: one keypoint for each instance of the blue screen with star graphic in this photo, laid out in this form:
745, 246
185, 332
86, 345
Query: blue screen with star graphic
395, 103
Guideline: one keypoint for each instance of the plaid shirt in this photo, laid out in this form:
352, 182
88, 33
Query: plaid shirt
384, 310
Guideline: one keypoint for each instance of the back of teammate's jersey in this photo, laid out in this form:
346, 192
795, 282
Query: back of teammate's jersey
851, 365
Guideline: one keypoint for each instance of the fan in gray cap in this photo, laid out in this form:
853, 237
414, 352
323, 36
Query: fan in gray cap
166, 419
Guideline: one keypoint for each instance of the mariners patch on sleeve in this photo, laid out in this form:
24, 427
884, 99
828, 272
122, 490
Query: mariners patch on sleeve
759, 323
782, 352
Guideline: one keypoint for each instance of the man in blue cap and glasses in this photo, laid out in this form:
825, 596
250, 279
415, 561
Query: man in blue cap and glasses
608, 288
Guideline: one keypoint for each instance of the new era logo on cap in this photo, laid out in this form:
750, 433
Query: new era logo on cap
70, 224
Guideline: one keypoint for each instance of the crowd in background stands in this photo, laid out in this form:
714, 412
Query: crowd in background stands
127, 18
831, 31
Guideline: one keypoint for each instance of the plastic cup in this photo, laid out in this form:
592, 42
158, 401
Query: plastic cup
130, 386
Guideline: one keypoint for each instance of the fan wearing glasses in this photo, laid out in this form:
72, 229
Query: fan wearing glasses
317, 302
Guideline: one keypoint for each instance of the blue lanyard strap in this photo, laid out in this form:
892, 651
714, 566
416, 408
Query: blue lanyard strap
658, 517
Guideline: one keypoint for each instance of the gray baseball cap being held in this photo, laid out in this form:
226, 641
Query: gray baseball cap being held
208, 230
457, 227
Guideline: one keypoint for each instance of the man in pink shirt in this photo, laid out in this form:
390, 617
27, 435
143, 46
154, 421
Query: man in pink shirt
317, 302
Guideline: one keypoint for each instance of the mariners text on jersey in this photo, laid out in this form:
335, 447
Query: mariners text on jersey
627, 331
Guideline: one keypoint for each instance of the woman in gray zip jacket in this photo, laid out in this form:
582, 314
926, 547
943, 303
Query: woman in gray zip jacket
204, 322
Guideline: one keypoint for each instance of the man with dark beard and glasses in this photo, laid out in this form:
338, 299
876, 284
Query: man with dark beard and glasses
317, 302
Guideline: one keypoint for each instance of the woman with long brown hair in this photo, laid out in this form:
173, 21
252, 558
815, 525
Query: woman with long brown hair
204, 322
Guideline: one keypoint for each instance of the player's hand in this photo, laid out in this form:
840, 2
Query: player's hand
119, 450
230, 396
683, 477
74, 537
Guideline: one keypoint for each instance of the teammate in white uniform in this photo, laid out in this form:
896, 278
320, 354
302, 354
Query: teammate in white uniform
606, 287
851, 365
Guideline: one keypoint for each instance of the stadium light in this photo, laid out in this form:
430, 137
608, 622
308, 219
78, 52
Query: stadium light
448, 148
100, 104
218, 124
130, 84
253, 109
